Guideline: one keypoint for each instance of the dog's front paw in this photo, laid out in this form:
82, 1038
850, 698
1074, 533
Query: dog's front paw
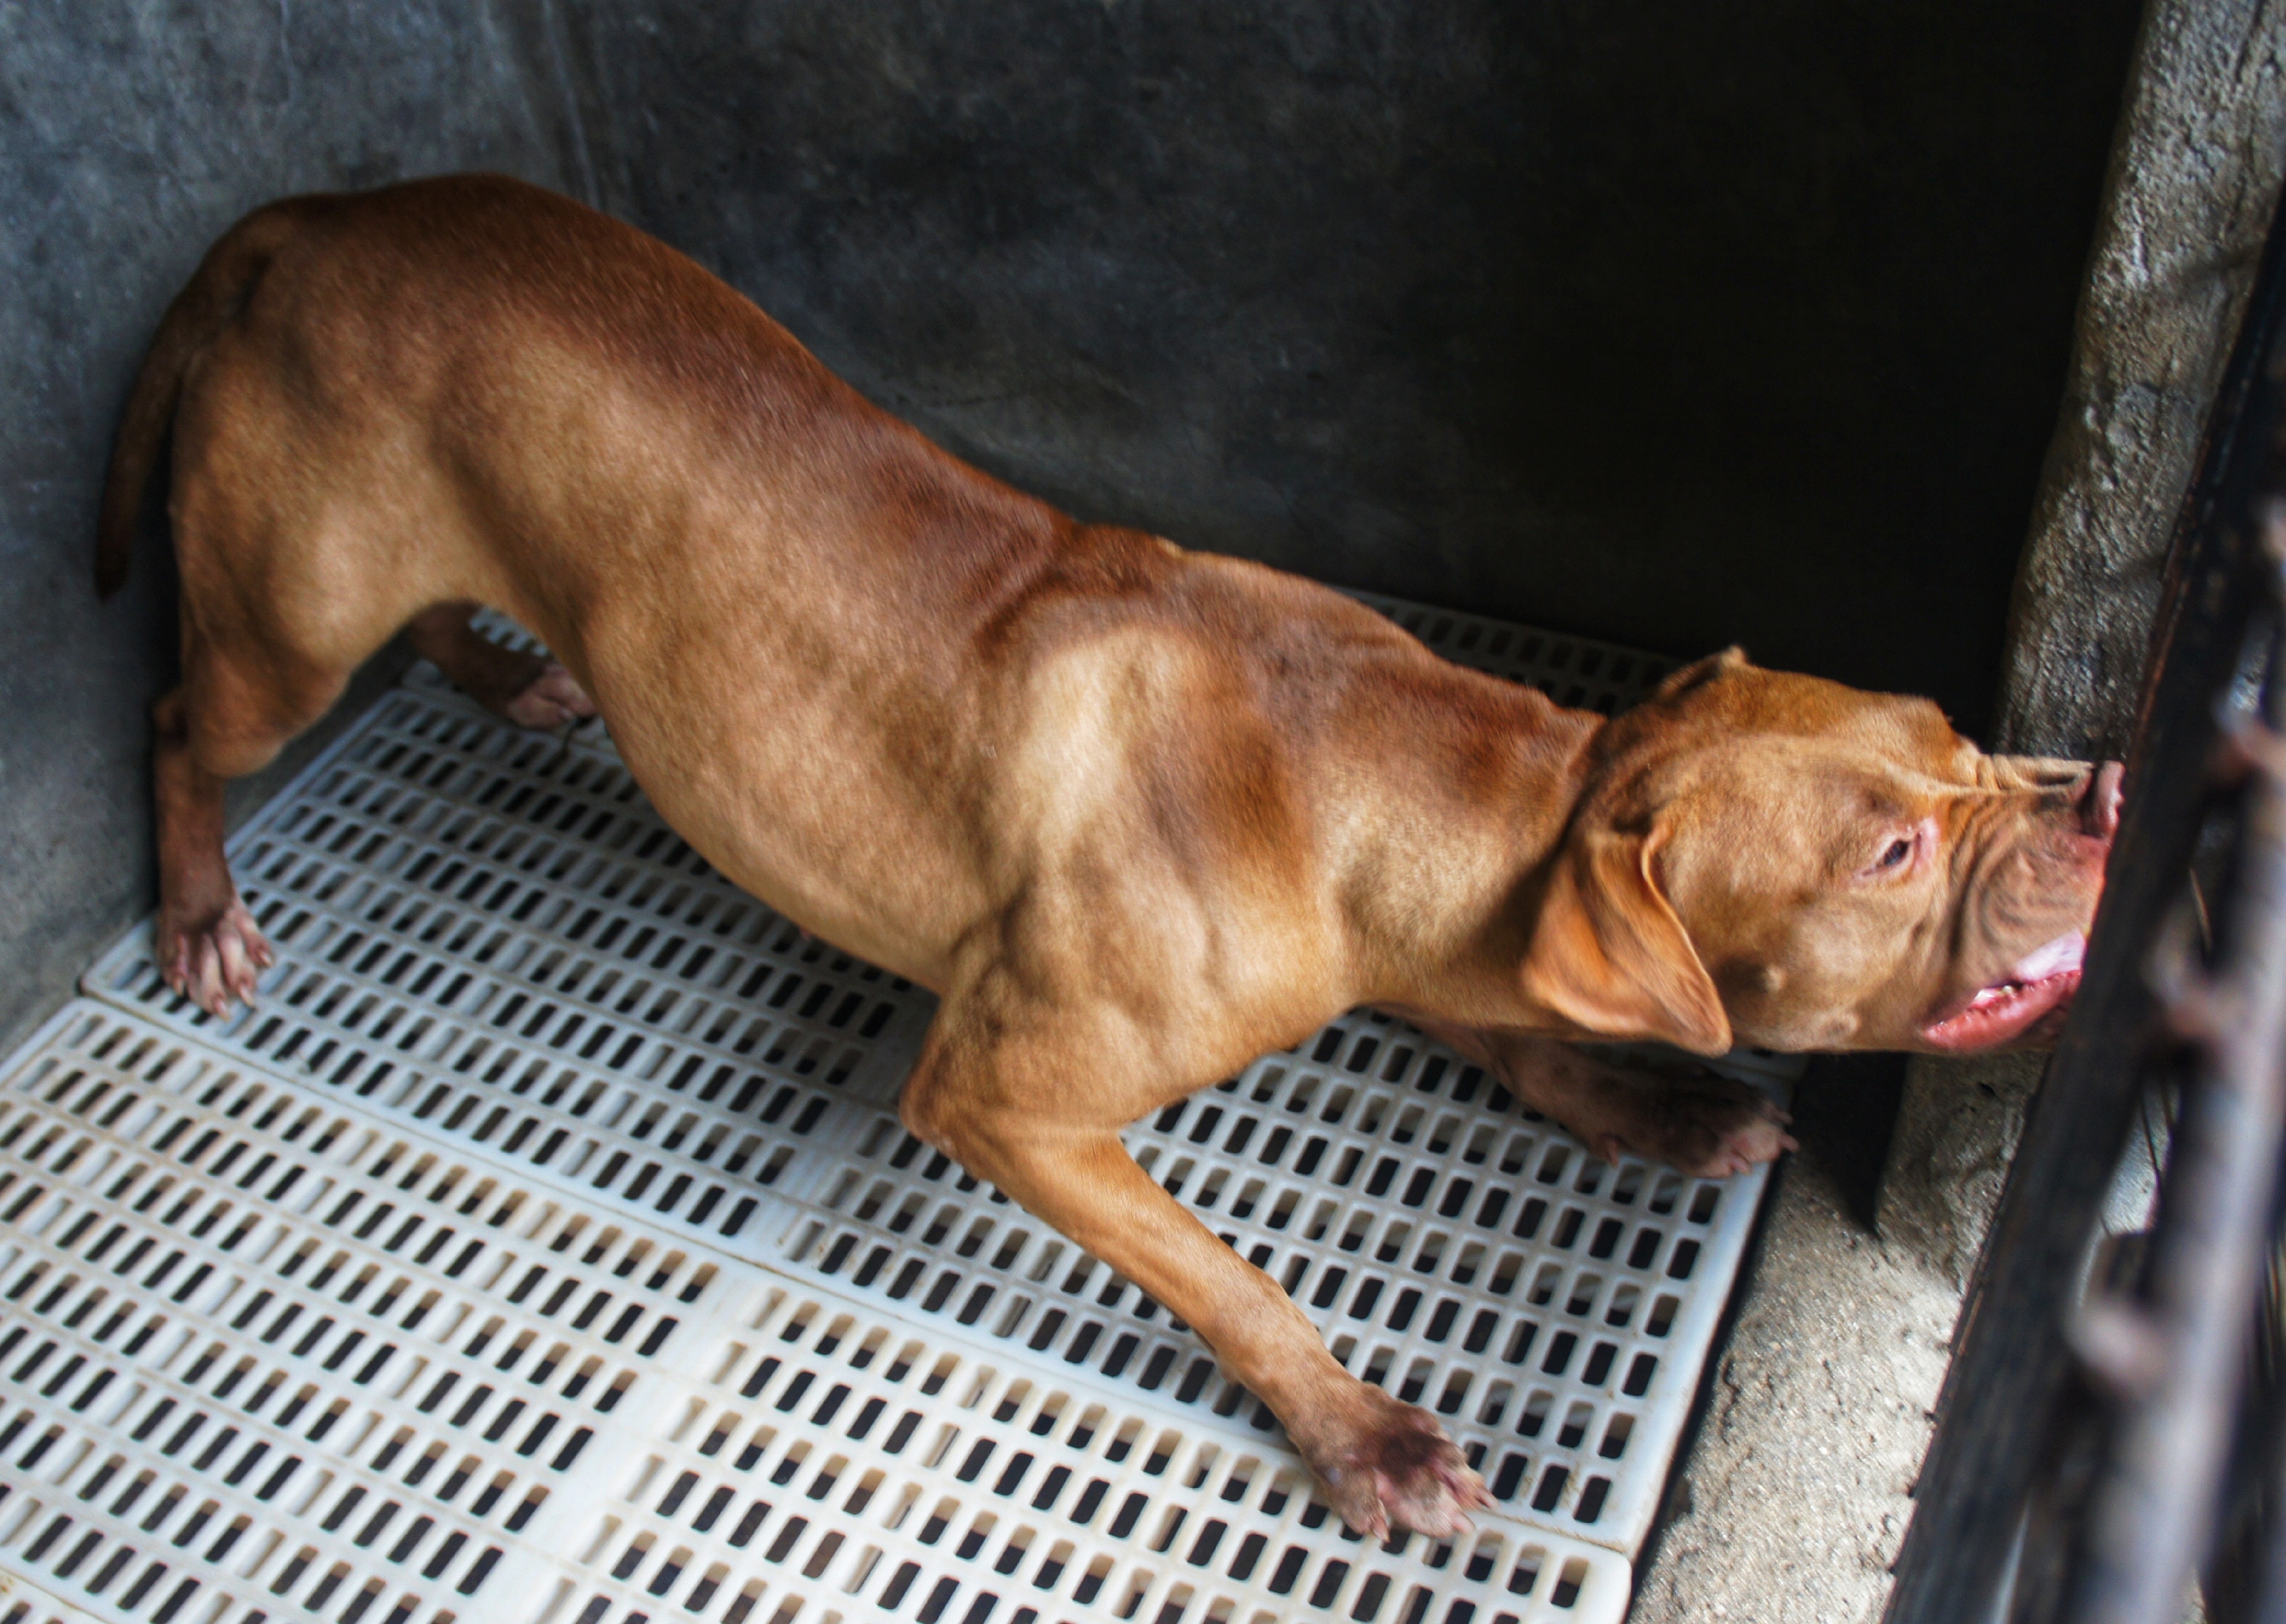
1394, 1468
1708, 1125
212, 960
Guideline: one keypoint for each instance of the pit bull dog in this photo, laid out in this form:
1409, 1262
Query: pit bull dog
1138, 814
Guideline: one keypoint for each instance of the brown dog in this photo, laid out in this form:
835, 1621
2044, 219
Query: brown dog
1138, 815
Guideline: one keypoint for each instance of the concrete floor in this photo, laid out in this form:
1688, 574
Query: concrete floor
1794, 1500
1795, 1495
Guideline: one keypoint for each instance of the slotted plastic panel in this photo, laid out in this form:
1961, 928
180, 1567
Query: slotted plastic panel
266, 1354
1450, 1246
22, 1602
487, 938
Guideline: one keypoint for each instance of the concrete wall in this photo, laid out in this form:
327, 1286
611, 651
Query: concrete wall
1672, 323
1669, 322
130, 136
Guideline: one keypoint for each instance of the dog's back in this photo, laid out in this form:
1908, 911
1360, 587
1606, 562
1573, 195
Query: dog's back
801, 619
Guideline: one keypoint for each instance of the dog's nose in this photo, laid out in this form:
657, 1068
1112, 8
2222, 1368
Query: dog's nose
2100, 797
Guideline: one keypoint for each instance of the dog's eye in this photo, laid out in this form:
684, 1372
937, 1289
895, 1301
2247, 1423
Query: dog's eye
1894, 852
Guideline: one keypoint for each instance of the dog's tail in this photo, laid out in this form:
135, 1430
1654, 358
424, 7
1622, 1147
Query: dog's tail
213, 297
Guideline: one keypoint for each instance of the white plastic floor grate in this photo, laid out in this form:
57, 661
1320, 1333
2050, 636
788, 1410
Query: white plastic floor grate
267, 1354
22, 1603
489, 940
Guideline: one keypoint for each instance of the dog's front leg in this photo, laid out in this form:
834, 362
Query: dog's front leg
1010, 1102
1694, 1120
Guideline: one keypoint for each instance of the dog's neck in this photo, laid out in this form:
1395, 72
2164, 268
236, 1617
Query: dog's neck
1442, 882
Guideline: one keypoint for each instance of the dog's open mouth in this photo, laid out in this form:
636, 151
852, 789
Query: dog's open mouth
2038, 985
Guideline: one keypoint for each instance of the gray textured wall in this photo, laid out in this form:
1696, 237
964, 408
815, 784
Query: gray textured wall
1674, 323
130, 136
1671, 322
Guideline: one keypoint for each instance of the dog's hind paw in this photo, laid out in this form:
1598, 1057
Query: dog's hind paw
1398, 1472
212, 961
550, 700
515, 684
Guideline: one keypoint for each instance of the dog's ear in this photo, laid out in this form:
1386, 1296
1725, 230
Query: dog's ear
1608, 953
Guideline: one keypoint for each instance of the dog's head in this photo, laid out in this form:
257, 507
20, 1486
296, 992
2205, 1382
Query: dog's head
1764, 858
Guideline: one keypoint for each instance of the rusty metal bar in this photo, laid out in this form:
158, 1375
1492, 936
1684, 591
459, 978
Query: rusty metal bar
2244, 1580
2176, 1361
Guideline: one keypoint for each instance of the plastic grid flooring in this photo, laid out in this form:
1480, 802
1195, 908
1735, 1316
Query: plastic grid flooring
23, 1603
495, 958
268, 1355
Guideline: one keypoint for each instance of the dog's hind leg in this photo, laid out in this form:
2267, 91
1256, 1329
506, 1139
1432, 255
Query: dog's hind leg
224, 721
522, 688
206, 944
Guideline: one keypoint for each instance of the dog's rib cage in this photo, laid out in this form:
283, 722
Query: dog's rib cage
546, 1247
